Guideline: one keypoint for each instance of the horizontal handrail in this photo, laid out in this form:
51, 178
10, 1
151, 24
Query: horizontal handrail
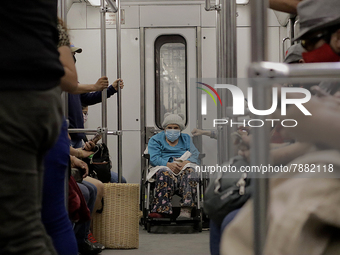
99, 130
315, 71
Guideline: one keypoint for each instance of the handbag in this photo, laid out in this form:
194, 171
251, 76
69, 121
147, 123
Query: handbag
99, 163
226, 194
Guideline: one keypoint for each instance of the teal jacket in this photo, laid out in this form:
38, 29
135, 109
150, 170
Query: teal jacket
161, 152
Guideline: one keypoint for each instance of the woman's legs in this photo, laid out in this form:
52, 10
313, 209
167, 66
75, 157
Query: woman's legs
100, 192
187, 183
82, 229
165, 187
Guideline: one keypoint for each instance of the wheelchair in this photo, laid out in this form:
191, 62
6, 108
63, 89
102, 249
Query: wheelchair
147, 193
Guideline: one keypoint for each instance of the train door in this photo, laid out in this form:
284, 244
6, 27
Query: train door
170, 63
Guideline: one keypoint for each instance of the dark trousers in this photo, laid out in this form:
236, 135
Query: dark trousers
54, 214
89, 192
29, 125
216, 232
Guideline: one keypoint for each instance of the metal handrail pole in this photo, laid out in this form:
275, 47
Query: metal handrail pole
218, 44
63, 16
219, 75
231, 67
113, 5
260, 148
297, 21
224, 74
142, 99
103, 65
199, 123
291, 25
209, 7
119, 94
279, 72
64, 97
283, 47
82, 130
93, 131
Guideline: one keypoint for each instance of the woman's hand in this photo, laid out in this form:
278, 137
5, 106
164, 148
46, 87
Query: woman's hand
174, 167
85, 154
182, 164
77, 163
89, 146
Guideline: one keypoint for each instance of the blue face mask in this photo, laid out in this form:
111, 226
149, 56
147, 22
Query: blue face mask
172, 134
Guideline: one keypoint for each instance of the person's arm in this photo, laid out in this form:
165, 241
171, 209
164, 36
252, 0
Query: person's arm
278, 145
69, 82
77, 163
320, 128
279, 155
194, 158
80, 153
155, 151
210, 133
286, 154
101, 84
96, 97
289, 6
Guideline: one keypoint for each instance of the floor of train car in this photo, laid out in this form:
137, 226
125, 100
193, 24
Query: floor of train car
168, 240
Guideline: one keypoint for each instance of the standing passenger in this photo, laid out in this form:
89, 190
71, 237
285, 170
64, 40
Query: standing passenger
30, 117
54, 214
304, 212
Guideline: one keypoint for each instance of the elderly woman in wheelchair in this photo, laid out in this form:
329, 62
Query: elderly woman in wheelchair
173, 157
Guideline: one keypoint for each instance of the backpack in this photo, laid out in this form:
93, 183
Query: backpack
227, 192
99, 163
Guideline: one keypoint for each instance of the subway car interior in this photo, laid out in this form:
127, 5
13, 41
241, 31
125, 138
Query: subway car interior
217, 122
171, 55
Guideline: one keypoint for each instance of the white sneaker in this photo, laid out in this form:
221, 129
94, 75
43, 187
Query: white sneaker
185, 213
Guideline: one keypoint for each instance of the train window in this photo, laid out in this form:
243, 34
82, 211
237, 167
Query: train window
170, 76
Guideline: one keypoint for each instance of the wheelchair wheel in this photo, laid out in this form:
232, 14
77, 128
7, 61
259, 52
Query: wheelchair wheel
198, 226
148, 227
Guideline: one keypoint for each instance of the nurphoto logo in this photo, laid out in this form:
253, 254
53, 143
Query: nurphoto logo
239, 104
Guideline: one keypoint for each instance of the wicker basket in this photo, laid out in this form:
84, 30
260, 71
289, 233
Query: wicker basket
117, 226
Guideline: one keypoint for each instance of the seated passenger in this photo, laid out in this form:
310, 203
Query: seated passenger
89, 146
173, 156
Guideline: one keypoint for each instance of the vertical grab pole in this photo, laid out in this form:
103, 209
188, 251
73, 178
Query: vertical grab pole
223, 74
199, 92
218, 44
62, 12
219, 75
119, 94
291, 26
63, 15
231, 67
103, 66
260, 148
227, 69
